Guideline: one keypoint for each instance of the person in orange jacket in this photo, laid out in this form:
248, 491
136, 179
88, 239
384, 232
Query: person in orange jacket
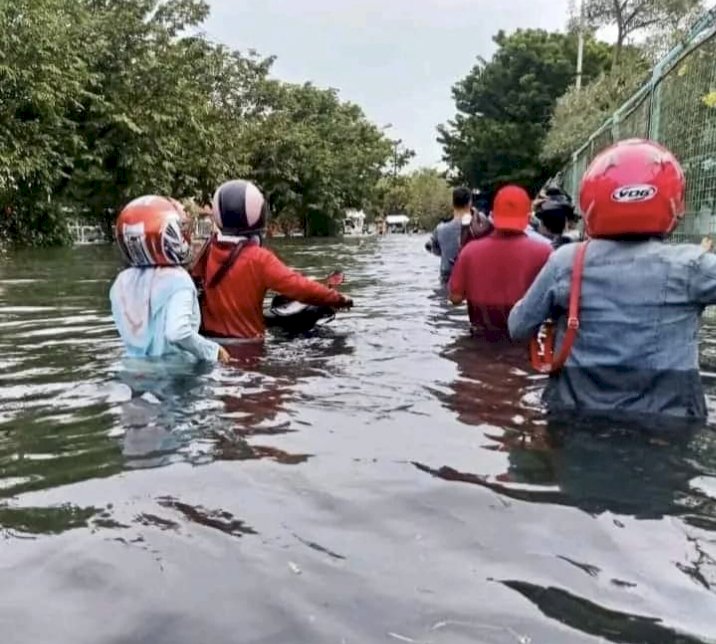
236, 271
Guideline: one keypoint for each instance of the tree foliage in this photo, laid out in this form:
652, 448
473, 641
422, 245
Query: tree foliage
42, 78
632, 16
505, 105
429, 198
579, 113
314, 155
103, 100
423, 194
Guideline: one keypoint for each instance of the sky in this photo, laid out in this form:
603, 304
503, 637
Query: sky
397, 59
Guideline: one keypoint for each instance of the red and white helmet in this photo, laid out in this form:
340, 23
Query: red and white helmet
154, 231
635, 187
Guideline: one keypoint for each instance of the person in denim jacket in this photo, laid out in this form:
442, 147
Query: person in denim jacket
641, 302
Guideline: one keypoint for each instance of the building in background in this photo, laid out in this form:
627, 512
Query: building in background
354, 224
397, 224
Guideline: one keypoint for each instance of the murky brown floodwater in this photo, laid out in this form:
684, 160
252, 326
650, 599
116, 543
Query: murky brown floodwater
386, 480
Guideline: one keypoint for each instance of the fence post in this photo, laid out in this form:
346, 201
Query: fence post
654, 126
616, 119
573, 178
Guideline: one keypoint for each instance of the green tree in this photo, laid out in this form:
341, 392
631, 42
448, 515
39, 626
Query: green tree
101, 101
505, 105
391, 196
580, 112
166, 111
42, 76
633, 16
314, 155
429, 197
424, 195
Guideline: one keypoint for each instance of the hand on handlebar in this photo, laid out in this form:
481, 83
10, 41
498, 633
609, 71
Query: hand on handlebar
345, 302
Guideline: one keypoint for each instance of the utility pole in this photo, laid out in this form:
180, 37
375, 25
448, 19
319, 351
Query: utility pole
396, 145
580, 46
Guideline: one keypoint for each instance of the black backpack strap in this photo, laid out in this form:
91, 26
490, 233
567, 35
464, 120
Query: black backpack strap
226, 266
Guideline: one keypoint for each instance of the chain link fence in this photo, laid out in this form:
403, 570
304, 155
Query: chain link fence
677, 107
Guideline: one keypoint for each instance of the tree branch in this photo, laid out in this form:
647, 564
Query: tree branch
637, 9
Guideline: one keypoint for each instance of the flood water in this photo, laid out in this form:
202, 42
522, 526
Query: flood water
386, 480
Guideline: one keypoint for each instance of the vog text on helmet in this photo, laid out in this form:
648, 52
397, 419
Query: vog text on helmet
634, 194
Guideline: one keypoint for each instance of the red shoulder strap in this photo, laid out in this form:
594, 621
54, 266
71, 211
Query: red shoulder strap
575, 294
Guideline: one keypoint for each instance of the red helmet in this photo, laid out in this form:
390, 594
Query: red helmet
154, 231
635, 187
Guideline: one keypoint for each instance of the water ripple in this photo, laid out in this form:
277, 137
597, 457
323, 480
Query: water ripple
386, 479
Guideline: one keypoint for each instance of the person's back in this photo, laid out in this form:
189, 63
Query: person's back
236, 272
141, 300
494, 273
154, 300
234, 307
475, 226
639, 316
445, 240
636, 347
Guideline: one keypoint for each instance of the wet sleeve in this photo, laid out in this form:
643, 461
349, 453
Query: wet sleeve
535, 307
457, 286
180, 331
281, 279
703, 283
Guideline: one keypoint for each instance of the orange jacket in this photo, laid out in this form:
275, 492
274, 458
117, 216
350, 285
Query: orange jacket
234, 307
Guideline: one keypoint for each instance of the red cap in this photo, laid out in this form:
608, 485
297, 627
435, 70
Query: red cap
511, 209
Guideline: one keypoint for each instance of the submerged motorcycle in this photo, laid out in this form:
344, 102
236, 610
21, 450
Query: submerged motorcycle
296, 318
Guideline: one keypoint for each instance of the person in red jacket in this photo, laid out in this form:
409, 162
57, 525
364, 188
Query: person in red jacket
236, 271
493, 273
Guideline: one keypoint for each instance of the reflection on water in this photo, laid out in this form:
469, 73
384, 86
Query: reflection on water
388, 478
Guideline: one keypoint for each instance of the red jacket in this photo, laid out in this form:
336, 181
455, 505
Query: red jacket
234, 307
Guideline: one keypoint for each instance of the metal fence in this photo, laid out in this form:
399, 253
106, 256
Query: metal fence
677, 107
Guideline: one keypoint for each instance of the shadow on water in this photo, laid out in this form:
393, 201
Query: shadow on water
386, 479
645, 469
641, 467
596, 620
178, 413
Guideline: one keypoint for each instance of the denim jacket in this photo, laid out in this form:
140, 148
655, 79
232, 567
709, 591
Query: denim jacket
640, 310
